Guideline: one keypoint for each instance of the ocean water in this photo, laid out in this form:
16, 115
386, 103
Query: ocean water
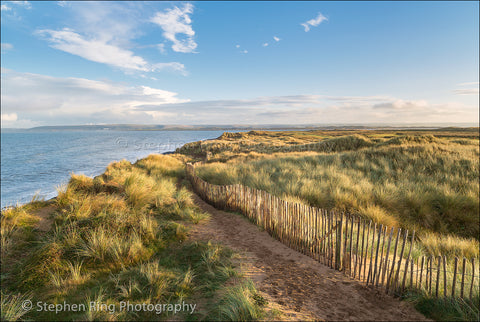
37, 162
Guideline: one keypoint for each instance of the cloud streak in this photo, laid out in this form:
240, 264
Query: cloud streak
6, 46
472, 90
314, 22
101, 52
176, 22
94, 50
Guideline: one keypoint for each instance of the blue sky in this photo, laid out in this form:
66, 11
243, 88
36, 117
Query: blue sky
239, 62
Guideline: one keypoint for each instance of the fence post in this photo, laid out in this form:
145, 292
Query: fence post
454, 276
351, 247
438, 276
473, 277
444, 276
345, 242
374, 276
338, 244
356, 249
366, 252
463, 277
394, 286
370, 268
407, 261
385, 269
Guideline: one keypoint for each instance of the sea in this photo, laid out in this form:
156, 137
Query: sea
37, 163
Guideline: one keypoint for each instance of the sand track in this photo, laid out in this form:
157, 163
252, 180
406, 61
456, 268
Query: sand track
297, 285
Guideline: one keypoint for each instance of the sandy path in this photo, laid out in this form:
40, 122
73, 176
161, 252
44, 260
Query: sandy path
294, 283
45, 216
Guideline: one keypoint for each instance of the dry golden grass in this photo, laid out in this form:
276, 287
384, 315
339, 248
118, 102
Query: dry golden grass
426, 182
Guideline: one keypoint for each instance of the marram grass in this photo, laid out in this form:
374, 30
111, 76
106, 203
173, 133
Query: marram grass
426, 183
119, 236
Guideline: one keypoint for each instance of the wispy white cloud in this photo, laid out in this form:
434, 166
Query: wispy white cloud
314, 22
244, 51
174, 22
101, 52
467, 91
6, 46
237, 46
469, 84
25, 4
9, 117
92, 49
401, 105
116, 23
265, 44
161, 48
472, 89
12, 10
173, 66
276, 38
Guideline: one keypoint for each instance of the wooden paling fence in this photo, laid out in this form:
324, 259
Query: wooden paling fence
375, 254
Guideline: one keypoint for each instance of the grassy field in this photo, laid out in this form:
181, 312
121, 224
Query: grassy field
121, 237
422, 180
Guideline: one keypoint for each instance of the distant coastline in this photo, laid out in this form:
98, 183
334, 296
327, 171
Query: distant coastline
236, 127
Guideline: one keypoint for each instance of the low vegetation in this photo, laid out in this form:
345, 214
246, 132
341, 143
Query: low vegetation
121, 237
427, 182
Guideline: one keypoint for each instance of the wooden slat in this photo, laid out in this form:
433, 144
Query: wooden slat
381, 257
421, 271
430, 275
385, 270
330, 239
366, 252
400, 258
392, 269
444, 276
427, 274
438, 275
338, 242
454, 282
407, 261
370, 267
376, 255
473, 277
350, 252
356, 249
411, 273
345, 243
324, 232
463, 277
360, 259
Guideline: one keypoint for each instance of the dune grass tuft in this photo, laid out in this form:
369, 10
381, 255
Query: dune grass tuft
120, 236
